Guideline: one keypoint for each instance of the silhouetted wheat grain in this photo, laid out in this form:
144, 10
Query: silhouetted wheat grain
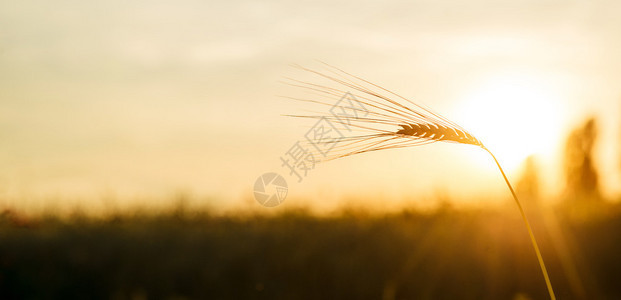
385, 120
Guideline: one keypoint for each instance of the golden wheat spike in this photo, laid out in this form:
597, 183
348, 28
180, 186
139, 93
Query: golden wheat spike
385, 120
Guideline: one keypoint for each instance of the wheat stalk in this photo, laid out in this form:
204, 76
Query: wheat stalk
388, 121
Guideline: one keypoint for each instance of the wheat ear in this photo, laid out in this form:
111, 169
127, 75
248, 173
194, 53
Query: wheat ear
386, 120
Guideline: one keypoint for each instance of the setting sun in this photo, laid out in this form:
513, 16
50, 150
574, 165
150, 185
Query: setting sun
515, 115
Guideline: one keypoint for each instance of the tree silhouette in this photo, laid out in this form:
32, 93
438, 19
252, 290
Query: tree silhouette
580, 173
528, 184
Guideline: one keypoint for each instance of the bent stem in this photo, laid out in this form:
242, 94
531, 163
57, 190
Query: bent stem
530, 231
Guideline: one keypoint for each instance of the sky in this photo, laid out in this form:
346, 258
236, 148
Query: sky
140, 101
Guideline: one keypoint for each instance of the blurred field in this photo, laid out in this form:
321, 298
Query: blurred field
442, 254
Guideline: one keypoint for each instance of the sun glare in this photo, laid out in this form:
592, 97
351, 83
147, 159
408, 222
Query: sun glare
514, 115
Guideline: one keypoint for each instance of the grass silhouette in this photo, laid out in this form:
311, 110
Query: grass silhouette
440, 254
